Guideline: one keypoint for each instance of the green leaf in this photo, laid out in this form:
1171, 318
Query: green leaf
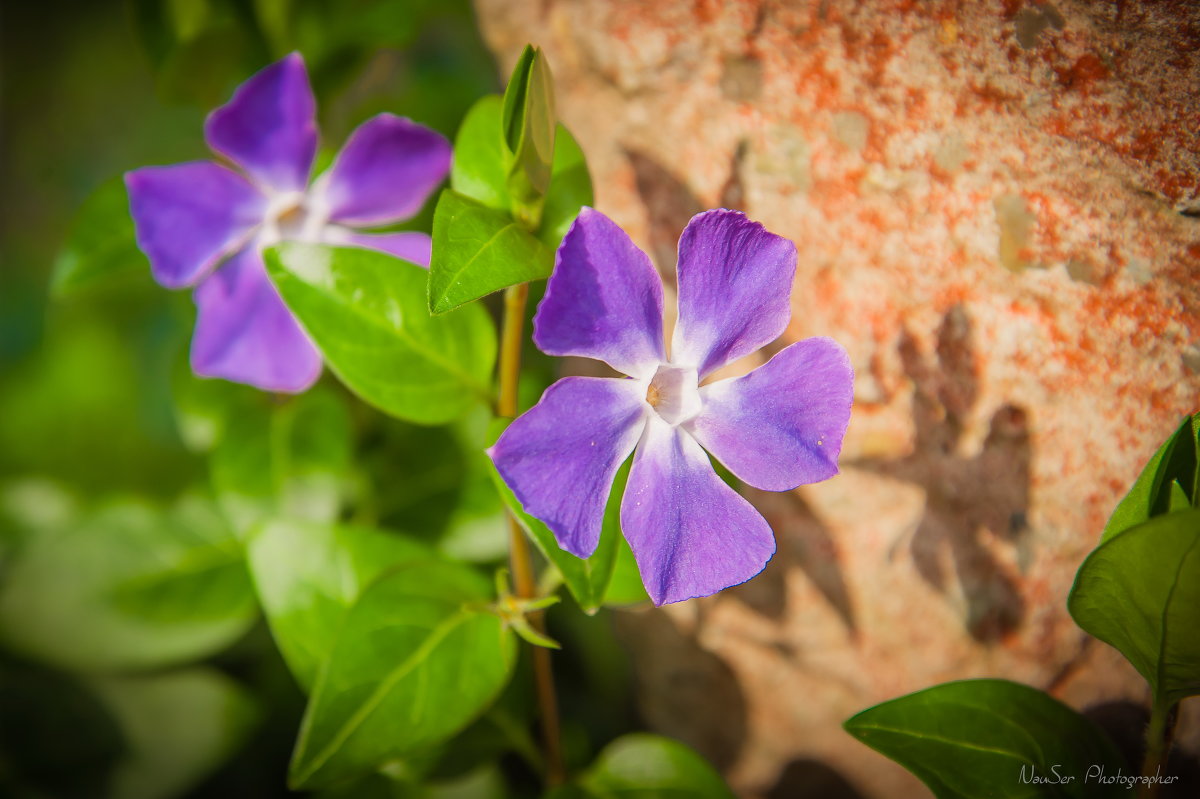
416, 661
478, 171
286, 458
308, 574
478, 250
513, 109
479, 155
586, 578
127, 587
644, 766
570, 190
101, 242
529, 127
976, 738
204, 407
1140, 592
177, 728
478, 525
1151, 494
625, 587
207, 585
366, 312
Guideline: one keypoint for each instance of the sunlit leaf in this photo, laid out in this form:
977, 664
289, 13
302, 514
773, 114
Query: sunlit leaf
478, 169
416, 660
1152, 494
570, 190
366, 312
528, 121
976, 738
625, 587
307, 575
478, 250
1140, 592
644, 766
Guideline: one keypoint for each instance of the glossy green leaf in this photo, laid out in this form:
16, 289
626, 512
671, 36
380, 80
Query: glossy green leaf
177, 727
479, 155
101, 242
570, 190
478, 171
528, 121
1152, 493
976, 738
126, 587
587, 579
366, 312
307, 575
644, 766
626, 586
478, 250
283, 458
1140, 592
417, 659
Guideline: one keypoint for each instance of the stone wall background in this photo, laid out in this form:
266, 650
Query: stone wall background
994, 204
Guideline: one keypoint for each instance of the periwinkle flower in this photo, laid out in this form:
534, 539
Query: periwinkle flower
775, 428
203, 224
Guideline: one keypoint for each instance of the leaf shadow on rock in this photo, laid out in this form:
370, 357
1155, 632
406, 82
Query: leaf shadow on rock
670, 203
968, 497
802, 542
684, 690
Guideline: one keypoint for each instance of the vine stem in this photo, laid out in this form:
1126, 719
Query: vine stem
524, 581
1156, 748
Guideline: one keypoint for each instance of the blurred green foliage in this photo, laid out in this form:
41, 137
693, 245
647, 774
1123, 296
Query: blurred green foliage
118, 565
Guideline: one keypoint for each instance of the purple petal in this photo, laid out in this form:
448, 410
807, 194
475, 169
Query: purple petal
412, 246
735, 281
692, 535
190, 216
246, 334
560, 457
604, 300
385, 172
269, 127
781, 425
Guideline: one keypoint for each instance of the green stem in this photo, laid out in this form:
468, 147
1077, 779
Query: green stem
1156, 748
524, 581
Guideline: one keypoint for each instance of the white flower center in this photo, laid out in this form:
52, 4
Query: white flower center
674, 394
293, 216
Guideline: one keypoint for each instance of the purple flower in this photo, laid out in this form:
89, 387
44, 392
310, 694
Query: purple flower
775, 428
204, 225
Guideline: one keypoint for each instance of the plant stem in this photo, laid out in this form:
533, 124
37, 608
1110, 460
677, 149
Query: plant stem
1156, 748
524, 582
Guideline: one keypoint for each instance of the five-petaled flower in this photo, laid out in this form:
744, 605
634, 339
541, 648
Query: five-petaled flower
775, 428
205, 225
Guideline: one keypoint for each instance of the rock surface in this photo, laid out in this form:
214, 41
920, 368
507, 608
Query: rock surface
994, 205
